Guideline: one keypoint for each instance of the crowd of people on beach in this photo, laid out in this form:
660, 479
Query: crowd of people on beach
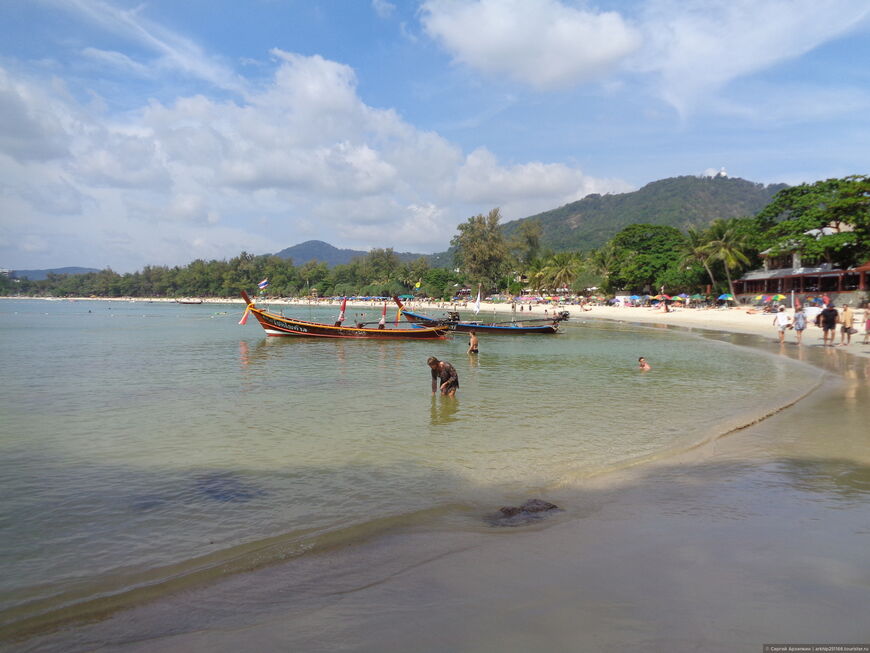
828, 319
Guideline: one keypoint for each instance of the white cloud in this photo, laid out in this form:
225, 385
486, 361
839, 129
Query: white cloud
383, 8
301, 157
526, 188
174, 52
698, 46
543, 43
31, 122
689, 50
118, 61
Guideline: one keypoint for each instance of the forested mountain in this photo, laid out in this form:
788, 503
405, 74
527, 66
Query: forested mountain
317, 250
678, 202
41, 275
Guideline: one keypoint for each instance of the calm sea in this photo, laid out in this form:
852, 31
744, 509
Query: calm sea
147, 446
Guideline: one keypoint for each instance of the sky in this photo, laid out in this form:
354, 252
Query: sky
158, 132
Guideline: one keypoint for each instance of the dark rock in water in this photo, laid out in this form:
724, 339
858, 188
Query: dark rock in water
532, 505
517, 515
226, 488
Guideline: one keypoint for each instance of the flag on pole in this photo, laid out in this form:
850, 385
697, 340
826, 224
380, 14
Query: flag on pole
477, 303
263, 283
341, 311
383, 321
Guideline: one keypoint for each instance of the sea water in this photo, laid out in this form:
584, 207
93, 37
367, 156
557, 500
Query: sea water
147, 446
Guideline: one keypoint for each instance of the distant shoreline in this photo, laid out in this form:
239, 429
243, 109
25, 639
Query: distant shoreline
730, 320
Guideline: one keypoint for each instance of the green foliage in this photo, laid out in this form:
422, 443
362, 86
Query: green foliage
525, 244
481, 251
822, 221
642, 254
439, 283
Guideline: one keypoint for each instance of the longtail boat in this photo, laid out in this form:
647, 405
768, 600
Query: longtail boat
454, 323
278, 325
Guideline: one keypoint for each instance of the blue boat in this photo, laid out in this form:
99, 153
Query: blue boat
454, 323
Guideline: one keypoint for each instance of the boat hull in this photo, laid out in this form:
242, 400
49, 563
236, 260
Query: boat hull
278, 325
495, 329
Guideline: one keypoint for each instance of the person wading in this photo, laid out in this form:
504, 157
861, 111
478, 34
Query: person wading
444, 377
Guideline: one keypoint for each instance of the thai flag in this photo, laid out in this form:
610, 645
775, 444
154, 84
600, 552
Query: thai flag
263, 283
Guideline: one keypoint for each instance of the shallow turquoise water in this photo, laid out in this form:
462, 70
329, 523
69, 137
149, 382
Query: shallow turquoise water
146, 441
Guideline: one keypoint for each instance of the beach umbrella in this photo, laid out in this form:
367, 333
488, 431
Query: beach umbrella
676, 298
760, 298
697, 296
634, 298
683, 295
778, 297
727, 296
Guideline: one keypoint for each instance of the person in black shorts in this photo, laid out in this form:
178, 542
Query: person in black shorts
828, 319
444, 377
472, 342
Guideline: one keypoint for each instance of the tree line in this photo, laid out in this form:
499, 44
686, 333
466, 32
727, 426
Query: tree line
826, 221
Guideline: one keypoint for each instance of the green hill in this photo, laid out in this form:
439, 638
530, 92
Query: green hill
317, 250
679, 202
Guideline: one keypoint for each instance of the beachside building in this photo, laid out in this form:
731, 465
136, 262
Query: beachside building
785, 273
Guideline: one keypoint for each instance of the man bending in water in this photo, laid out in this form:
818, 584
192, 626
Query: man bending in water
444, 376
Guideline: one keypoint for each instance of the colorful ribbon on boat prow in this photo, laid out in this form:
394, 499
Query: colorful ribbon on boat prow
248, 308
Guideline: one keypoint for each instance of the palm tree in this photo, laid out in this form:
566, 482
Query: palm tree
697, 250
604, 262
536, 273
727, 245
562, 269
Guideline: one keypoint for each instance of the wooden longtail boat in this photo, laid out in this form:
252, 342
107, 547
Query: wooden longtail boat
453, 322
278, 325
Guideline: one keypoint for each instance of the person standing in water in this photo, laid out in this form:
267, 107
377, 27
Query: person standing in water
642, 365
847, 321
782, 321
444, 377
472, 342
800, 323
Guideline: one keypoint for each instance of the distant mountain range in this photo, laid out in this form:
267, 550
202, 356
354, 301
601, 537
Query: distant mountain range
40, 275
317, 250
678, 202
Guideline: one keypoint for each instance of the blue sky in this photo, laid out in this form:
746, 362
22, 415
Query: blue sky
137, 133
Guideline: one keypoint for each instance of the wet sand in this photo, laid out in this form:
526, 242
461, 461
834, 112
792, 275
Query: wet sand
761, 536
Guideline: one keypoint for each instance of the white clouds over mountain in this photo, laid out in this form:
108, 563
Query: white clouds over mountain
300, 148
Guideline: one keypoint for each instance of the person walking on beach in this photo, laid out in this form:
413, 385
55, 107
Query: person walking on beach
444, 377
847, 321
472, 342
866, 324
800, 323
642, 365
828, 319
782, 321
